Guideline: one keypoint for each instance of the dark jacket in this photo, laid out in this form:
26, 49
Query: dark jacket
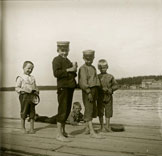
64, 79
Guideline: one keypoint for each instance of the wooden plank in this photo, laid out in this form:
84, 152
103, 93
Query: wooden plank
121, 146
108, 144
34, 151
123, 135
141, 129
144, 133
5, 152
116, 136
143, 140
92, 152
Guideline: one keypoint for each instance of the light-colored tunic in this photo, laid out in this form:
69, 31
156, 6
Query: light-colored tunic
108, 82
25, 83
87, 78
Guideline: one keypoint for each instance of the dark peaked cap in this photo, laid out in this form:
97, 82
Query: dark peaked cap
63, 43
88, 52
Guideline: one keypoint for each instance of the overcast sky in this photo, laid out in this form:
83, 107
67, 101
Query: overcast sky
127, 33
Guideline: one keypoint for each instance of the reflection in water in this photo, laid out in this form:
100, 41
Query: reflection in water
160, 112
138, 106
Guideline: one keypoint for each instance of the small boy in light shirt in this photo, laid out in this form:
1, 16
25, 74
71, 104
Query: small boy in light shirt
27, 89
105, 99
89, 83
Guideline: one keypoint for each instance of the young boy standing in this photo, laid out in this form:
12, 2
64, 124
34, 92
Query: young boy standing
89, 83
65, 72
27, 89
105, 100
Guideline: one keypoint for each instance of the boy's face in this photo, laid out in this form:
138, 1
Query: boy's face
103, 69
28, 69
77, 109
88, 59
63, 52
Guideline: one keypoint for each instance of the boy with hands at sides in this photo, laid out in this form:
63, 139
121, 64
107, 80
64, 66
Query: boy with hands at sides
89, 83
105, 99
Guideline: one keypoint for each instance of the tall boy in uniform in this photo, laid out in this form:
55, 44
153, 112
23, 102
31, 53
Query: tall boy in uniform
65, 72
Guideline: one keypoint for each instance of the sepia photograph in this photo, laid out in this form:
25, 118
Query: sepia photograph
81, 78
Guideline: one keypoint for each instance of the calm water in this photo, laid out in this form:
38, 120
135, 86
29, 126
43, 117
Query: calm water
143, 107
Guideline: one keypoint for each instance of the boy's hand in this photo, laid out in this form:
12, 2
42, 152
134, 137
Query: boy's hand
35, 92
90, 98
110, 91
72, 69
106, 98
21, 92
75, 64
80, 124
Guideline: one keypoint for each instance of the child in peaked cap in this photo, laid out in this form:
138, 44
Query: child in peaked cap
89, 83
65, 72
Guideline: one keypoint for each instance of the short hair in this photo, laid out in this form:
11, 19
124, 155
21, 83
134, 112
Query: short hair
27, 62
102, 63
77, 104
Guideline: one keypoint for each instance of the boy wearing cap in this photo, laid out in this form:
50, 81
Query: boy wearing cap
105, 99
89, 83
65, 72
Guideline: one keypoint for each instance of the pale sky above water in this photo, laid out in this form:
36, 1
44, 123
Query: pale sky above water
127, 33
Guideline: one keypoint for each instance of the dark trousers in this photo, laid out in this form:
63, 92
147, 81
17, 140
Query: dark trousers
65, 96
27, 107
90, 107
51, 120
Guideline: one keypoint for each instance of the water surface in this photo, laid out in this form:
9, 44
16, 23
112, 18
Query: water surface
143, 107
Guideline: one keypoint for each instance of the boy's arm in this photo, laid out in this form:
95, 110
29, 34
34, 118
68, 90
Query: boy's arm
70, 119
114, 84
60, 72
83, 83
57, 69
18, 85
81, 117
36, 88
82, 79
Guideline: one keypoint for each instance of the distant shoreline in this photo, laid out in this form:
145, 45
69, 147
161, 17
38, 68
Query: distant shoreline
39, 87
55, 88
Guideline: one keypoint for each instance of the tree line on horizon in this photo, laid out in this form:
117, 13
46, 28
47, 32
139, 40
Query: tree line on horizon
137, 80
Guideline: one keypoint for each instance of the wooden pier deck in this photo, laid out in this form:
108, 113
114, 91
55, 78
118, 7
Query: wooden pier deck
136, 140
